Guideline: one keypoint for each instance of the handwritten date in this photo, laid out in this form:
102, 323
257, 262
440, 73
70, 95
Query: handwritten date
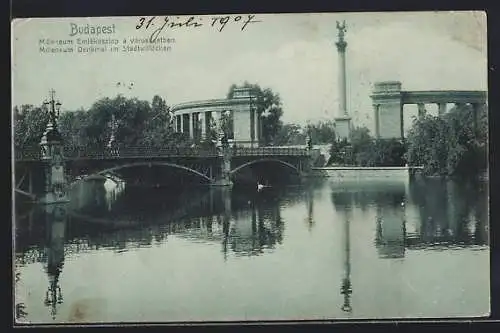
216, 22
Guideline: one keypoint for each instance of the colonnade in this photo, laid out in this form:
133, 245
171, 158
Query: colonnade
389, 100
422, 111
244, 127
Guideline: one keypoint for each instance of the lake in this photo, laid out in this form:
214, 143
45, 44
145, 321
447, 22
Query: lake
318, 250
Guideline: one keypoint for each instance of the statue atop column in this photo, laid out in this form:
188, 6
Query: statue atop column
309, 144
341, 44
342, 30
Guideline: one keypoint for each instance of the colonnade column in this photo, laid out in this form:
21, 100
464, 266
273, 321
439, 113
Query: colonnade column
441, 108
190, 119
256, 127
377, 121
202, 125
182, 122
421, 110
477, 108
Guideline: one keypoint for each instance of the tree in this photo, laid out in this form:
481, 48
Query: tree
158, 130
72, 126
290, 135
449, 145
268, 107
364, 150
131, 116
339, 152
30, 123
323, 132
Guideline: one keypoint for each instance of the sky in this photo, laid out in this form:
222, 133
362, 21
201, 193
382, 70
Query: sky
293, 54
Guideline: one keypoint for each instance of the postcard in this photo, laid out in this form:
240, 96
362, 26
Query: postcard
250, 167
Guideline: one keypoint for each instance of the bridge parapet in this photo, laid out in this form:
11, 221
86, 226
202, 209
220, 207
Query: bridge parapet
270, 151
75, 153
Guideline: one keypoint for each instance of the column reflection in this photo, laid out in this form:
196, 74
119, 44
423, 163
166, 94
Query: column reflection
55, 217
342, 202
390, 225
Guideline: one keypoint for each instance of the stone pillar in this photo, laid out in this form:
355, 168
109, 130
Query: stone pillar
56, 187
388, 98
243, 127
222, 177
377, 122
441, 108
259, 128
256, 127
343, 121
477, 108
342, 79
252, 127
421, 110
182, 122
203, 125
191, 119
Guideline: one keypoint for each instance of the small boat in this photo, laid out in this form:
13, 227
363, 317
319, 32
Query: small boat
260, 187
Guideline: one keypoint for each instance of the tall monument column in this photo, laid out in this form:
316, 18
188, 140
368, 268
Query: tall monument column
342, 121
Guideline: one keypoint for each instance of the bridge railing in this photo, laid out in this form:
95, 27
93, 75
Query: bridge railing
136, 152
270, 151
34, 153
27, 154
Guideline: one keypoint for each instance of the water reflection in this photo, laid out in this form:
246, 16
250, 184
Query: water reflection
55, 217
442, 214
392, 220
244, 224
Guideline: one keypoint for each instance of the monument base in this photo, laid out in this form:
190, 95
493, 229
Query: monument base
343, 127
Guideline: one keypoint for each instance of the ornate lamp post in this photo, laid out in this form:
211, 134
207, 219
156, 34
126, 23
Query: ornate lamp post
51, 137
52, 154
112, 138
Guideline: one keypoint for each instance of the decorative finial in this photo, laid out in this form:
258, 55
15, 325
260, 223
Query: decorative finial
342, 30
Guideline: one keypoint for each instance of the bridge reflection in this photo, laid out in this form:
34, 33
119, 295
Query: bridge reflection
242, 225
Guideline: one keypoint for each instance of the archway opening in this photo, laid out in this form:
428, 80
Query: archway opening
273, 173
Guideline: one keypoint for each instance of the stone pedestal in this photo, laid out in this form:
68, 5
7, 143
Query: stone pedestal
388, 107
56, 186
343, 127
224, 177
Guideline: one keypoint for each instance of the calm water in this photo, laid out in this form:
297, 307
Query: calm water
317, 251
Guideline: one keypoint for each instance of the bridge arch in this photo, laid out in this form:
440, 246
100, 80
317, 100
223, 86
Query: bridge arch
102, 173
262, 160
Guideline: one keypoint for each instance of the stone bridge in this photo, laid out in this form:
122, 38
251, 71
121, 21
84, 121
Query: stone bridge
38, 173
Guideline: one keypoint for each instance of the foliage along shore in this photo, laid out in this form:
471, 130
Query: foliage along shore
446, 146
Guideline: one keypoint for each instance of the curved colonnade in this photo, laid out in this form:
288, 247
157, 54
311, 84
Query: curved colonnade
198, 117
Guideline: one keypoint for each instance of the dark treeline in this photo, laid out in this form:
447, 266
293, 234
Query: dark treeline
138, 123
448, 145
445, 146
